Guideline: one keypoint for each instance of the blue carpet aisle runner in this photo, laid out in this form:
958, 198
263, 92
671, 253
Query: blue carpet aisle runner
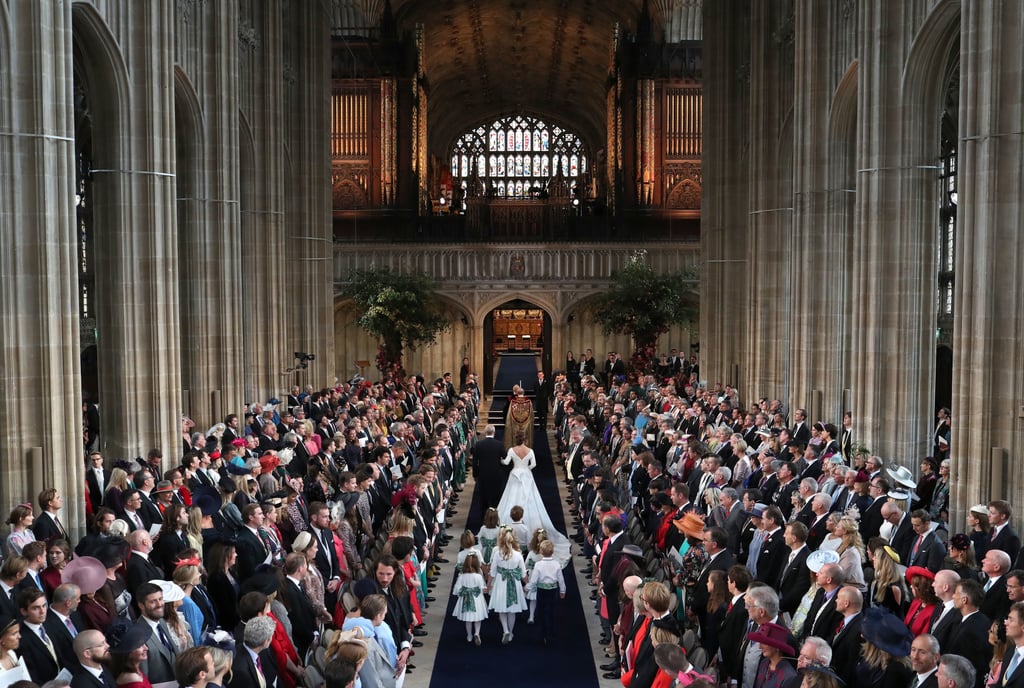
567, 660
511, 371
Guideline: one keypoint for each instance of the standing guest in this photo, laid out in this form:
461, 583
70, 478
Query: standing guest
922, 606
924, 660
955, 672
222, 583
57, 556
48, 526
158, 665
773, 670
312, 582
92, 657
128, 652
195, 668
846, 644
118, 484
977, 521
1004, 537
37, 648
12, 667
21, 534
970, 638
1010, 672
884, 657
63, 622
851, 553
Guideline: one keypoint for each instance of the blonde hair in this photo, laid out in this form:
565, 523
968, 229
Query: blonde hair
507, 543
399, 523
547, 548
851, 536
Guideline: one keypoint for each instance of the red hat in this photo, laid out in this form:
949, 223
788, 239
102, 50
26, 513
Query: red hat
919, 571
238, 442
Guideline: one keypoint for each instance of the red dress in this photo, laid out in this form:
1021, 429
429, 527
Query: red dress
919, 617
411, 575
282, 648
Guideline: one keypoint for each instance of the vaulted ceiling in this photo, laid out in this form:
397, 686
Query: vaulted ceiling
487, 58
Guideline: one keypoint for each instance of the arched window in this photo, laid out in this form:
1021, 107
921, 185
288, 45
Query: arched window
947, 208
510, 173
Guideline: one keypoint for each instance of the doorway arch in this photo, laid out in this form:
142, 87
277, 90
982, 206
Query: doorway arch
510, 338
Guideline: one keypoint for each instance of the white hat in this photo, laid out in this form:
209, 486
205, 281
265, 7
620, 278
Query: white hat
902, 475
172, 593
817, 559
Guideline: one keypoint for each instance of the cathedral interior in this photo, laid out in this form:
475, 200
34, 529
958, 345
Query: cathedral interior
189, 184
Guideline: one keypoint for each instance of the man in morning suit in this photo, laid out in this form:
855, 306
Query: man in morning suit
716, 542
794, 582
996, 602
925, 548
249, 545
36, 647
774, 553
823, 618
92, 654
924, 660
487, 469
139, 568
970, 638
326, 554
846, 642
542, 390
871, 517
1003, 535
300, 609
614, 540
1011, 672
96, 479
247, 669
733, 629
158, 667
47, 526
63, 622
946, 617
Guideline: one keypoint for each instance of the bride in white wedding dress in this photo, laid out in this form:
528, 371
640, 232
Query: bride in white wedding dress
521, 489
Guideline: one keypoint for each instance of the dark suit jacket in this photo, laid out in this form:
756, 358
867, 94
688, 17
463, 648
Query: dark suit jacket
46, 529
140, 571
821, 624
996, 604
301, 613
95, 493
773, 557
846, 650
929, 555
83, 679
1016, 680
816, 532
903, 539
61, 637
488, 471
699, 595
149, 511
243, 671
9, 604
933, 681
943, 630
970, 640
794, 582
167, 548
731, 634
802, 433
42, 667
871, 519
1007, 540
251, 553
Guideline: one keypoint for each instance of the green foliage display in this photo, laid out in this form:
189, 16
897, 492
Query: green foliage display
401, 310
645, 305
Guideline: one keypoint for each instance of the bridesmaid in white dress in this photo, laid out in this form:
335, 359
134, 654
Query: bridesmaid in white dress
12, 667
521, 489
508, 571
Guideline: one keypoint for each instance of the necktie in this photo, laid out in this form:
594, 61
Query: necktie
71, 628
917, 546
138, 521
916, 682
46, 641
164, 639
259, 671
842, 625
99, 479
988, 586
1013, 666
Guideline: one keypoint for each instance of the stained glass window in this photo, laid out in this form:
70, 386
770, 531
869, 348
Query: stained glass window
517, 156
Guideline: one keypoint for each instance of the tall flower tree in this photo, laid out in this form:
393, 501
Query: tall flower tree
645, 305
401, 310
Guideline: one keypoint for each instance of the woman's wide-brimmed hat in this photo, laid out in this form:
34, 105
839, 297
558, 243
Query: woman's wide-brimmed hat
125, 637
887, 632
773, 635
88, 573
690, 525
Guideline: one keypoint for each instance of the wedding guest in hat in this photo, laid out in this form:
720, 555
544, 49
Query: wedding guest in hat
12, 666
774, 669
887, 588
820, 676
919, 616
128, 652
884, 657
89, 574
961, 557
977, 521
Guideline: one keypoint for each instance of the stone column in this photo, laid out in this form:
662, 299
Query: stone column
309, 298
41, 442
989, 329
724, 290
769, 241
265, 298
136, 229
214, 302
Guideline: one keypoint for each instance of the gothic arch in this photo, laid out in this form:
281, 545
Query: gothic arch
5, 59
541, 300
106, 75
